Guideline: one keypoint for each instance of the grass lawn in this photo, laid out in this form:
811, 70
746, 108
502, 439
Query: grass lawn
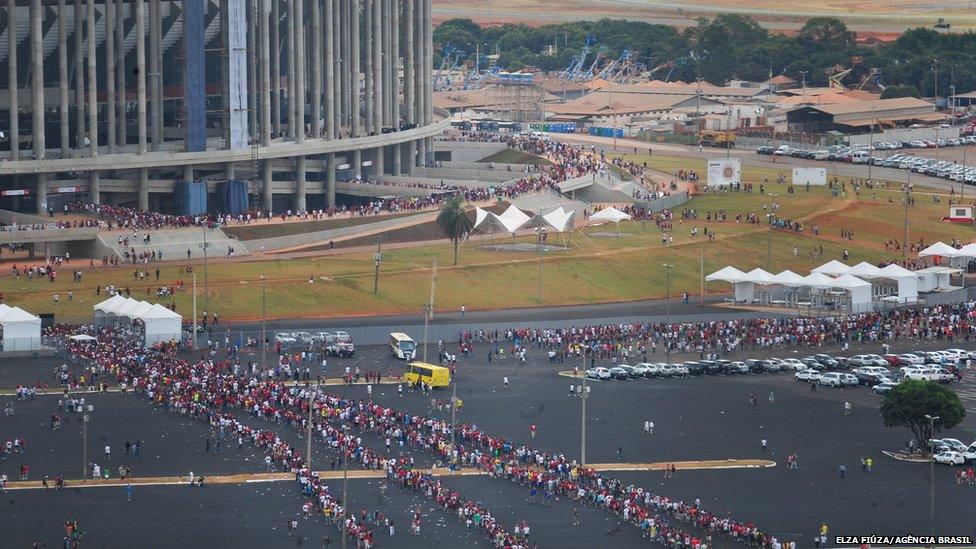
598, 269
258, 230
509, 156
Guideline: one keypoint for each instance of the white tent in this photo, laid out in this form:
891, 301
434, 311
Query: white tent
140, 310
83, 338
940, 249
513, 219
832, 268
969, 251
728, 274
559, 219
907, 282
859, 290
125, 309
759, 276
865, 270
743, 290
788, 278
818, 280
161, 324
936, 279
21, 330
107, 310
610, 214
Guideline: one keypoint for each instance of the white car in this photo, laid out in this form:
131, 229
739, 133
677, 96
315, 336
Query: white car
598, 373
642, 370
285, 338
957, 354
849, 380
792, 364
807, 375
955, 444
740, 367
949, 457
909, 358
832, 379
650, 369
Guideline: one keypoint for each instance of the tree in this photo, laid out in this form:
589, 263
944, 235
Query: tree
826, 32
902, 90
453, 222
907, 404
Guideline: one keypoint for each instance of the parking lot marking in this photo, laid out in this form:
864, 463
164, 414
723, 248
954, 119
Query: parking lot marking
250, 478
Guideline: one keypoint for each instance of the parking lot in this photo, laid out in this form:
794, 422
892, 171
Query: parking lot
706, 417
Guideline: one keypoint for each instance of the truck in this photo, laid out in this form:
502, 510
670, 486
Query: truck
712, 138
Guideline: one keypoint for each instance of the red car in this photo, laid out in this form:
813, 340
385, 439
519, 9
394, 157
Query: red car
892, 359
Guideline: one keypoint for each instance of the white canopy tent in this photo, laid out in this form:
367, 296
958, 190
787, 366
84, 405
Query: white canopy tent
859, 290
936, 279
743, 290
788, 278
108, 310
559, 219
865, 270
939, 249
906, 280
608, 215
832, 268
21, 330
161, 325
513, 219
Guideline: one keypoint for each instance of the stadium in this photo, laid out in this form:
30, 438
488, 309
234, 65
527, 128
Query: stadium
247, 104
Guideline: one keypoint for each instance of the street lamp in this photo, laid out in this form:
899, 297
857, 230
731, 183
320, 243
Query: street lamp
584, 394
264, 322
931, 474
84, 436
667, 309
345, 483
769, 238
308, 448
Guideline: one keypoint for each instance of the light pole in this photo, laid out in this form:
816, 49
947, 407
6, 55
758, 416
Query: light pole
193, 336
907, 199
931, 474
538, 232
345, 483
264, 322
769, 236
206, 285
667, 309
377, 257
308, 447
84, 436
453, 412
584, 394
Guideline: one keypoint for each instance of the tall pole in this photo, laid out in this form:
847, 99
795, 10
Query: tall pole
376, 258
538, 232
345, 484
453, 412
667, 308
701, 273
308, 447
907, 199
206, 285
193, 336
874, 118
430, 305
84, 446
264, 322
583, 396
769, 236
931, 475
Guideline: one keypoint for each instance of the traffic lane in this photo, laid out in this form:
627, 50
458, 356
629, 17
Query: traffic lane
792, 504
172, 444
30, 371
247, 515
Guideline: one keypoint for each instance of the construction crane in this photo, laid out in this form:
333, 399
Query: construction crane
575, 69
616, 68
600, 56
446, 53
872, 78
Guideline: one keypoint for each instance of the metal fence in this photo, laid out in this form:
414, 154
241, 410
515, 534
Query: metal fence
667, 202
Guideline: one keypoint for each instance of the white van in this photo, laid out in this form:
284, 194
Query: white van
860, 157
821, 155
403, 346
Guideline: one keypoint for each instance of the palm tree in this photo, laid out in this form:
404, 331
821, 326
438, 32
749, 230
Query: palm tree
453, 222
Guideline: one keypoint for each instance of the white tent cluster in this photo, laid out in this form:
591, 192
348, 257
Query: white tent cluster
21, 330
831, 285
513, 219
160, 324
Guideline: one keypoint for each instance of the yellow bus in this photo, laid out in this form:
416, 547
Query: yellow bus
433, 376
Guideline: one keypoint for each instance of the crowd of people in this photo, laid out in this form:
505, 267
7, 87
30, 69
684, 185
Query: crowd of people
209, 390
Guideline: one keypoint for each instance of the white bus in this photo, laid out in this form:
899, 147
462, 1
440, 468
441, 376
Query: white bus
403, 346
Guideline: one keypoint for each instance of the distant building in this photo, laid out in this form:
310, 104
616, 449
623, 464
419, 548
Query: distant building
858, 117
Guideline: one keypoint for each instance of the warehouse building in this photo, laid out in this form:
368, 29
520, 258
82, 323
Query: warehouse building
859, 116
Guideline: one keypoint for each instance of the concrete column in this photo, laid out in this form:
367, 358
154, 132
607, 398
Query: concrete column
120, 71
346, 63
253, 131
266, 83
141, 84
275, 68
357, 163
109, 14
330, 180
336, 65
63, 108
12, 79
188, 172
92, 82
230, 171
357, 130
395, 63
266, 191
155, 78
387, 63
316, 79
377, 65
409, 66
329, 70
290, 39
143, 180
419, 71
428, 67
368, 66
79, 14
37, 87
300, 183
299, 71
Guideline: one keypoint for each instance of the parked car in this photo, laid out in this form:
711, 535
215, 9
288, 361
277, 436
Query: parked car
694, 368
618, 373
828, 361
938, 446
739, 367
710, 366
908, 359
598, 373
807, 375
679, 370
642, 369
812, 363
956, 444
631, 372
849, 380
871, 375
883, 387
285, 338
949, 457
302, 337
792, 364
832, 379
